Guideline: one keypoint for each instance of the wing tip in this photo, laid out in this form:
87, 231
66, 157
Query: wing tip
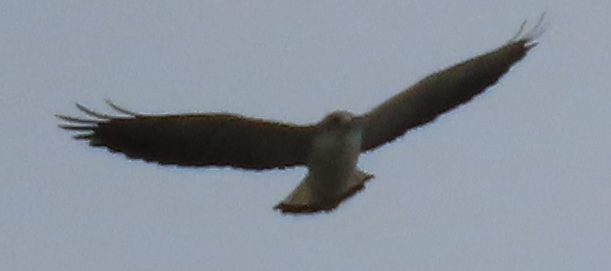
121, 109
84, 127
528, 37
98, 117
95, 118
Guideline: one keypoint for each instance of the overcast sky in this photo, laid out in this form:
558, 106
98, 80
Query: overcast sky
518, 179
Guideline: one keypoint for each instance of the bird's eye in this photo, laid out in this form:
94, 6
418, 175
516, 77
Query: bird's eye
335, 119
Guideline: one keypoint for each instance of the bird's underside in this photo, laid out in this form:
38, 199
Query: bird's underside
329, 149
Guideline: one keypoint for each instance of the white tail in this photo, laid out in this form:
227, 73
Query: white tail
308, 198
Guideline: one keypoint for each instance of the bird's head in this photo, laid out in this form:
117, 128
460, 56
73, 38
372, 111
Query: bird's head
339, 121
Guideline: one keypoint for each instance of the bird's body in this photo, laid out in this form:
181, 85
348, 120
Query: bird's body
330, 149
332, 167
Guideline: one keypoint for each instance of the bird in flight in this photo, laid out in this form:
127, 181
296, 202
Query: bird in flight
329, 149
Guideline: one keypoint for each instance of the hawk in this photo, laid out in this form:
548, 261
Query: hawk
330, 149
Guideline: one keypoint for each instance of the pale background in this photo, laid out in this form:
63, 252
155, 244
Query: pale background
519, 179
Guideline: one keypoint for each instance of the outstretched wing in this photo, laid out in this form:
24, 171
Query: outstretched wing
195, 139
443, 91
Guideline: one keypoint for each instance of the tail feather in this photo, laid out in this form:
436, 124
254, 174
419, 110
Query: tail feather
307, 198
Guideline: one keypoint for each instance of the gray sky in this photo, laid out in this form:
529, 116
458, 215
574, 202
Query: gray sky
519, 179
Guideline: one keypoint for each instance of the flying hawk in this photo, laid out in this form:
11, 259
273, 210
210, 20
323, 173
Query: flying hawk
329, 149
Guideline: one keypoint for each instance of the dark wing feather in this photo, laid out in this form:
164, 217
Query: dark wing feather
442, 91
195, 139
